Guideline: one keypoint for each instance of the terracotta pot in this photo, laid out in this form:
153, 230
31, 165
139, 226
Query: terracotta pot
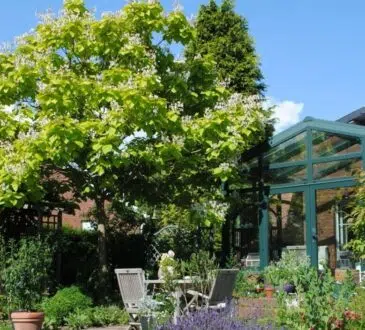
27, 320
269, 292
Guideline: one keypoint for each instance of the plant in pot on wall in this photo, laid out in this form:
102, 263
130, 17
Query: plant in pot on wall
25, 279
272, 279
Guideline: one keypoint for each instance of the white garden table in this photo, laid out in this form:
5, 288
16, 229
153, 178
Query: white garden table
177, 294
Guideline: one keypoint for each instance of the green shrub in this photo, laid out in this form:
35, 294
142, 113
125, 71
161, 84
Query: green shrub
356, 311
97, 316
26, 276
79, 319
109, 315
246, 283
6, 325
63, 303
322, 303
291, 268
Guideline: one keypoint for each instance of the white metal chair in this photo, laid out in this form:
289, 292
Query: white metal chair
252, 260
131, 282
221, 291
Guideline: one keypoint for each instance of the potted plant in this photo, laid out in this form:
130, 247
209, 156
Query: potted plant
259, 287
269, 291
272, 277
25, 279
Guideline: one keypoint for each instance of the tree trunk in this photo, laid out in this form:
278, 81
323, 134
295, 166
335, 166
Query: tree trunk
101, 218
103, 275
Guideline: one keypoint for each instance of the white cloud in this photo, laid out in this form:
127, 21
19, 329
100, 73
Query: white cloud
286, 113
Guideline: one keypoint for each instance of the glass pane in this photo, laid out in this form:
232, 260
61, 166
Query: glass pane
291, 150
336, 169
287, 224
250, 171
328, 144
332, 211
286, 175
246, 224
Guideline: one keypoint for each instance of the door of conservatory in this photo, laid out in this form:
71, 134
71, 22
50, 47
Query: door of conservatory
289, 223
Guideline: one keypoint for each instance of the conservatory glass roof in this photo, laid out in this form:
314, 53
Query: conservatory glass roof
311, 151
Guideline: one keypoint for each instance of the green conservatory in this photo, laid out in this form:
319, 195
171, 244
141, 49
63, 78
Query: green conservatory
296, 194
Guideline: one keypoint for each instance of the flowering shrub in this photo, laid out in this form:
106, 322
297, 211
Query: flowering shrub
168, 265
321, 302
208, 319
289, 269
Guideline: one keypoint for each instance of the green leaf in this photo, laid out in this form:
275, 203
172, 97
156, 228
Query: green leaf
107, 148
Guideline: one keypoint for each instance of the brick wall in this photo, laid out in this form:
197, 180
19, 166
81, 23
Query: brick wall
74, 220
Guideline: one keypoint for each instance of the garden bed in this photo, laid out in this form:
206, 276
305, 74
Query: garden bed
256, 308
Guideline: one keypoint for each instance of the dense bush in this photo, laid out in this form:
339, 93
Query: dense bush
97, 316
26, 276
62, 304
355, 315
321, 302
246, 283
6, 325
290, 269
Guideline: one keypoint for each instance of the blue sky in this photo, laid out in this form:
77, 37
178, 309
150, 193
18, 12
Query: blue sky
312, 52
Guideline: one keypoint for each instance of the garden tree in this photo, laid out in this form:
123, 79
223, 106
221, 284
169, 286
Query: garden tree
104, 103
357, 216
224, 34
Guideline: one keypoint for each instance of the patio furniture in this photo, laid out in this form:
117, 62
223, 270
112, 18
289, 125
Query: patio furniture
344, 259
252, 260
177, 294
132, 288
322, 256
360, 267
221, 291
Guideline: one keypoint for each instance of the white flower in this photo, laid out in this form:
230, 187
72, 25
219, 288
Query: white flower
177, 6
171, 254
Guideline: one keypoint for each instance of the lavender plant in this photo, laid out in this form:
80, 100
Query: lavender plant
208, 319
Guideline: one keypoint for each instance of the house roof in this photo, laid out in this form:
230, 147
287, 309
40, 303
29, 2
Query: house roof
356, 117
338, 127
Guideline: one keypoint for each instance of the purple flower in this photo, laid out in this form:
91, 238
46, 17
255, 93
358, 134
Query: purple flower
209, 319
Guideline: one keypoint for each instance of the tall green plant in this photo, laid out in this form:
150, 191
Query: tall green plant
201, 268
357, 244
321, 302
224, 35
27, 274
290, 269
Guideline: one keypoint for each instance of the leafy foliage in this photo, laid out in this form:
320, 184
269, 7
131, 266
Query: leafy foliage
290, 269
224, 35
27, 274
321, 303
63, 303
96, 316
246, 283
357, 244
106, 105
356, 313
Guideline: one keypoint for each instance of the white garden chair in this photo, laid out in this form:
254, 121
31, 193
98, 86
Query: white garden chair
221, 291
131, 282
